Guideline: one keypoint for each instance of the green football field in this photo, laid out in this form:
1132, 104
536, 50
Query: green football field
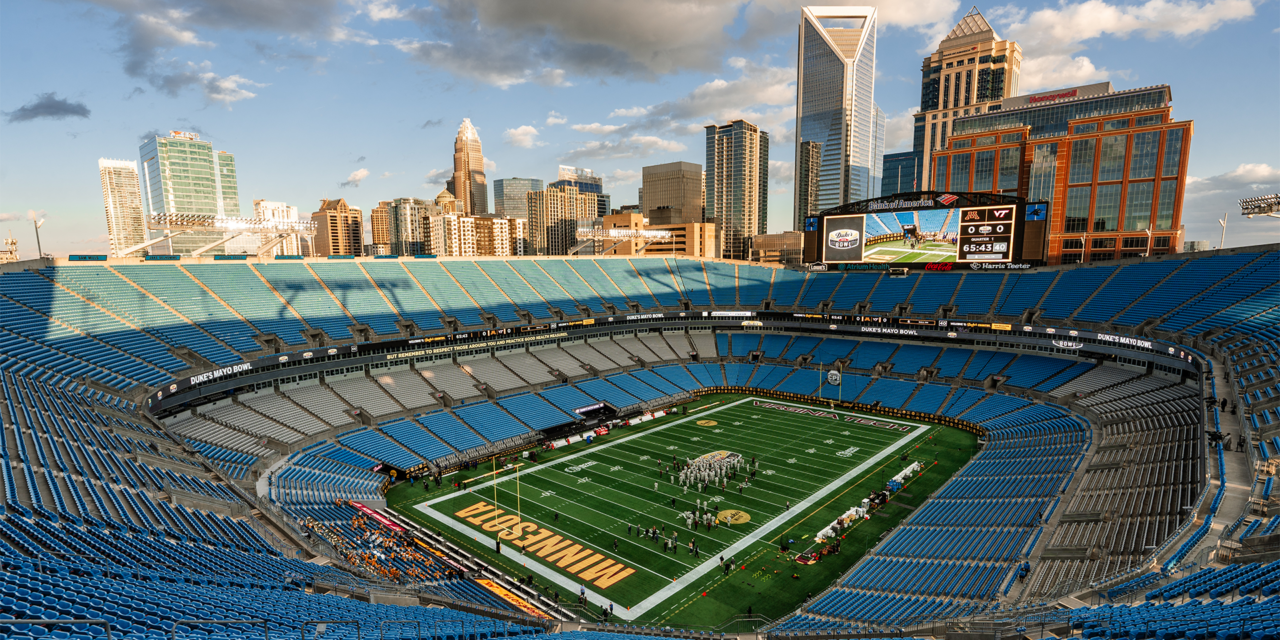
900, 251
570, 512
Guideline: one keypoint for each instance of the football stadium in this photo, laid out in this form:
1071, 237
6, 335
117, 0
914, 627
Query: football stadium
602, 447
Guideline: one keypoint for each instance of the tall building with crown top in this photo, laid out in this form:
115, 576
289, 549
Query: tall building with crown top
470, 187
972, 71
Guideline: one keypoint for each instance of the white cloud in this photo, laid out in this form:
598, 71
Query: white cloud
596, 128
226, 89
552, 78
898, 130
1053, 35
782, 171
388, 174
1207, 199
490, 166
523, 136
437, 176
636, 146
622, 176
629, 113
355, 178
554, 118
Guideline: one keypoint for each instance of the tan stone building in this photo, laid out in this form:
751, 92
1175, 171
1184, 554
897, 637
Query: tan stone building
380, 223
631, 237
554, 216
339, 229
781, 248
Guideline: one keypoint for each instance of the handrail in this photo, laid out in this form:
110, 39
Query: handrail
303, 630
47, 623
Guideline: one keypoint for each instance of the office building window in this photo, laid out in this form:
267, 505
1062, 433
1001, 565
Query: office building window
1112, 125
984, 167
1102, 243
933, 135
961, 144
985, 141
1142, 162
940, 172
946, 90
968, 88
1044, 163
960, 172
1073, 244
1099, 257
1144, 121
1111, 164
1137, 206
1077, 216
1082, 161
1135, 242
943, 141
1010, 160
1085, 128
1106, 208
1072, 258
1172, 152
1164, 206
955, 98
1162, 242
1011, 137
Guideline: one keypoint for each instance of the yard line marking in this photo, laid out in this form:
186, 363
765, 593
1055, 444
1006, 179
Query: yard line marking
690, 576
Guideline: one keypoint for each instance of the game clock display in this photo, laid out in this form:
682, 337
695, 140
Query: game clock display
986, 235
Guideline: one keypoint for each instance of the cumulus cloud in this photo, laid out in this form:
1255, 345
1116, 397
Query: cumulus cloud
622, 176
1206, 200
223, 90
554, 118
1054, 35
355, 178
523, 136
636, 146
437, 176
490, 166
629, 113
782, 171
47, 106
596, 128
899, 129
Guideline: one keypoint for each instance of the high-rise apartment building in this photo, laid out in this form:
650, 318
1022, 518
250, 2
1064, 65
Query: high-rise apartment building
672, 193
587, 182
406, 233
554, 216
500, 236
509, 199
737, 184
187, 184
1112, 166
469, 184
122, 201
339, 229
380, 228
972, 71
272, 244
835, 108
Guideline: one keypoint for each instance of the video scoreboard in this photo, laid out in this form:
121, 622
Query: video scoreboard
986, 234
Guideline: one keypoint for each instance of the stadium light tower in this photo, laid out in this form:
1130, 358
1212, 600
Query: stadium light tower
39, 252
1261, 206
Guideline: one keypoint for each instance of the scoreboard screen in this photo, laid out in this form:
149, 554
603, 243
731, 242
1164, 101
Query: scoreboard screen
986, 234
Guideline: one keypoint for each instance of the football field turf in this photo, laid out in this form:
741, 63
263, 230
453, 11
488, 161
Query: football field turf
571, 513
900, 251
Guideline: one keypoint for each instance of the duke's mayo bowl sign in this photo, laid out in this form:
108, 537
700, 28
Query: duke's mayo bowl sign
843, 239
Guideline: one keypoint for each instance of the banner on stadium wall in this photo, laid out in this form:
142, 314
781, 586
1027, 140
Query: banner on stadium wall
382, 520
512, 599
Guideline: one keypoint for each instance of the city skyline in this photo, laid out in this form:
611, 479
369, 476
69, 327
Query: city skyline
238, 94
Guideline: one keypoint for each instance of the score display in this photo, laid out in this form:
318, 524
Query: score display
986, 234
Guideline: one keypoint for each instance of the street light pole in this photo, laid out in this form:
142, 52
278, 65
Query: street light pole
39, 252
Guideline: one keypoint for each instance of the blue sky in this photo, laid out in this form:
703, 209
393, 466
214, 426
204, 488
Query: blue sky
311, 94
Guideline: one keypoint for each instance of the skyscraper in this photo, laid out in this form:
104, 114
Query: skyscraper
835, 106
672, 193
554, 215
737, 184
509, 196
587, 182
122, 200
380, 227
469, 184
406, 230
188, 184
339, 229
970, 73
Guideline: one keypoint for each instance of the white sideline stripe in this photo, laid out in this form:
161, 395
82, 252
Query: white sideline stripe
697, 572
